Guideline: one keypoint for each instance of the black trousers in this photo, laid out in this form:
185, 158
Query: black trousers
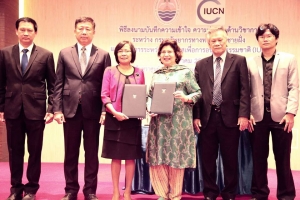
17, 130
260, 150
73, 127
216, 135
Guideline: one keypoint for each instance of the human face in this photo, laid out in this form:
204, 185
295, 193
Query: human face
84, 33
25, 33
124, 54
218, 42
167, 56
267, 40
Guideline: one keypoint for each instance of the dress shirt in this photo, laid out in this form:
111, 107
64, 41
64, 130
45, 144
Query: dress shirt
267, 77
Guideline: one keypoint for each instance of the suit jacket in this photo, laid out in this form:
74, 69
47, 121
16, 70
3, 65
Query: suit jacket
28, 90
284, 90
113, 85
234, 87
71, 85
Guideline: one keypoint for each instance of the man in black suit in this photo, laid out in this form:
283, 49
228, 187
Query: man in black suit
221, 113
77, 103
26, 72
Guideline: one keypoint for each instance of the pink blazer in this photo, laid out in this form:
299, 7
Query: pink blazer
113, 85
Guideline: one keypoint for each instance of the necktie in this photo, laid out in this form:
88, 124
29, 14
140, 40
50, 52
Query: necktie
83, 60
268, 81
217, 94
24, 60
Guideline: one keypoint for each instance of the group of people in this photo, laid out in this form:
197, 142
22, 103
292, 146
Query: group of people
225, 94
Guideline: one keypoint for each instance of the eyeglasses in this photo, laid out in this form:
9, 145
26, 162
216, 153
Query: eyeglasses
124, 51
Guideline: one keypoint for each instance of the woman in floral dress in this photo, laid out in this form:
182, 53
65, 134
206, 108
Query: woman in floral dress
171, 140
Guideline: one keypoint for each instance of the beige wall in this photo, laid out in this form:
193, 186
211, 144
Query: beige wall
56, 24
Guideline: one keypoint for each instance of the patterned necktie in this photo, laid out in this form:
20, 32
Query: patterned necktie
217, 94
24, 60
268, 81
83, 60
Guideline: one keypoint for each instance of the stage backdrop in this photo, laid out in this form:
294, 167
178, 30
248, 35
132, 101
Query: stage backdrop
147, 22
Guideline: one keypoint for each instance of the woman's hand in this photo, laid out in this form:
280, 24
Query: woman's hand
120, 116
180, 95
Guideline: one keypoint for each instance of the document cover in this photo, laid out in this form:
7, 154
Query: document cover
163, 98
134, 101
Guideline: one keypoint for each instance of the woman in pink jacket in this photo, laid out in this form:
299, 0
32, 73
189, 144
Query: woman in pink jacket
122, 135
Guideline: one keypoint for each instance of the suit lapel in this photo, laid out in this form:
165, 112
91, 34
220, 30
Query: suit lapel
258, 62
228, 62
210, 68
275, 64
75, 57
92, 58
16, 56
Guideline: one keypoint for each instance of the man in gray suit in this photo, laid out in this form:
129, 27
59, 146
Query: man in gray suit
274, 86
27, 77
78, 104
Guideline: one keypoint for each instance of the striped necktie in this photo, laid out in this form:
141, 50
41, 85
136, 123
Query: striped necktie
217, 93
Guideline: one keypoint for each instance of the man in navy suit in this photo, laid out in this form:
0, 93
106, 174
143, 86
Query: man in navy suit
78, 104
221, 113
26, 74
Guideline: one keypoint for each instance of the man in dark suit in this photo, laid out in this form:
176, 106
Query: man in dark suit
26, 72
221, 113
77, 103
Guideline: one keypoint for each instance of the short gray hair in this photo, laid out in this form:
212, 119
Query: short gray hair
215, 29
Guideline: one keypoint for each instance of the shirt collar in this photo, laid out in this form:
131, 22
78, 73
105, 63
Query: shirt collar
29, 48
87, 47
223, 56
271, 59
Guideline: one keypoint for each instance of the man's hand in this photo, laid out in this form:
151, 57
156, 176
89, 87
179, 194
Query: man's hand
48, 118
289, 122
2, 117
102, 118
197, 125
243, 123
59, 117
251, 123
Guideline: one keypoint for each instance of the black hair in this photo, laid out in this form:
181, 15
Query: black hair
27, 19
